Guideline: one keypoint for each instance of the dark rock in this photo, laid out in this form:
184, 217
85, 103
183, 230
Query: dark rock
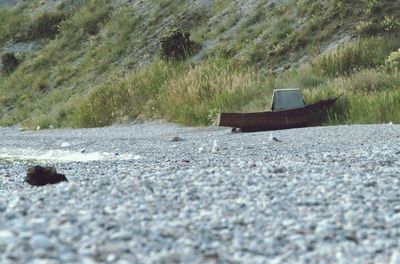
371, 184
177, 139
40, 176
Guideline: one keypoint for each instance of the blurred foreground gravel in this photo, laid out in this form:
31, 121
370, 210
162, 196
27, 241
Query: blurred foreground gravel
322, 195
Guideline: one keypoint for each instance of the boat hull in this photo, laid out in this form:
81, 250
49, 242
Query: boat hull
309, 115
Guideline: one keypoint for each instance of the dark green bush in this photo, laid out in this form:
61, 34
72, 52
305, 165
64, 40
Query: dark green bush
9, 62
176, 44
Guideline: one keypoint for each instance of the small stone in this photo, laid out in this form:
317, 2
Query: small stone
272, 138
39, 176
44, 260
177, 139
6, 237
201, 149
83, 151
395, 257
40, 242
215, 147
88, 260
68, 257
111, 258
65, 145
371, 184
72, 187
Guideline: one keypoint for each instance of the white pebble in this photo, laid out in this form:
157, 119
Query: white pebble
6, 237
65, 145
72, 187
201, 150
215, 146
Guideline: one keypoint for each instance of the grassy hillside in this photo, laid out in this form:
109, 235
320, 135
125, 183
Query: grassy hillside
97, 62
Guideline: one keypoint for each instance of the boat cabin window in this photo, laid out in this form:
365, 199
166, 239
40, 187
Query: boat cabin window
287, 99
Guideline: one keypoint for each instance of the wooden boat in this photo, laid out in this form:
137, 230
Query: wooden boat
308, 115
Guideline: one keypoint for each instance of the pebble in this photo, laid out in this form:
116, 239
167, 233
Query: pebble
40, 242
177, 139
71, 187
7, 237
325, 195
65, 144
201, 149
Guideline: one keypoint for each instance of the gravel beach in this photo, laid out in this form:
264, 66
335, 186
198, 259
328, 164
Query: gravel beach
161, 193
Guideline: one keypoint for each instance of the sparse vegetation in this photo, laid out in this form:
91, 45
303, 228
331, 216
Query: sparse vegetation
392, 62
45, 25
97, 63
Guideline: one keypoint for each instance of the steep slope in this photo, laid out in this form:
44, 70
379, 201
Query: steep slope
90, 63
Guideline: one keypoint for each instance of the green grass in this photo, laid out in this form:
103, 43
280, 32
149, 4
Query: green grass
13, 24
369, 96
125, 99
173, 91
213, 86
354, 56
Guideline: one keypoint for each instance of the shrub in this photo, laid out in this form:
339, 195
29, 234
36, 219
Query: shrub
373, 7
176, 44
392, 62
390, 24
9, 62
46, 25
367, 28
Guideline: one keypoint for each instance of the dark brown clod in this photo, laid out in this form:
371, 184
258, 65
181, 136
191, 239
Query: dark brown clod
39, 176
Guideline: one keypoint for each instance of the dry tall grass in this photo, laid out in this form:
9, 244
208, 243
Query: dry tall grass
209, 88
176, 92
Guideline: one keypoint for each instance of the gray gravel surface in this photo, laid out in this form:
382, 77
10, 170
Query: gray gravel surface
162, 195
